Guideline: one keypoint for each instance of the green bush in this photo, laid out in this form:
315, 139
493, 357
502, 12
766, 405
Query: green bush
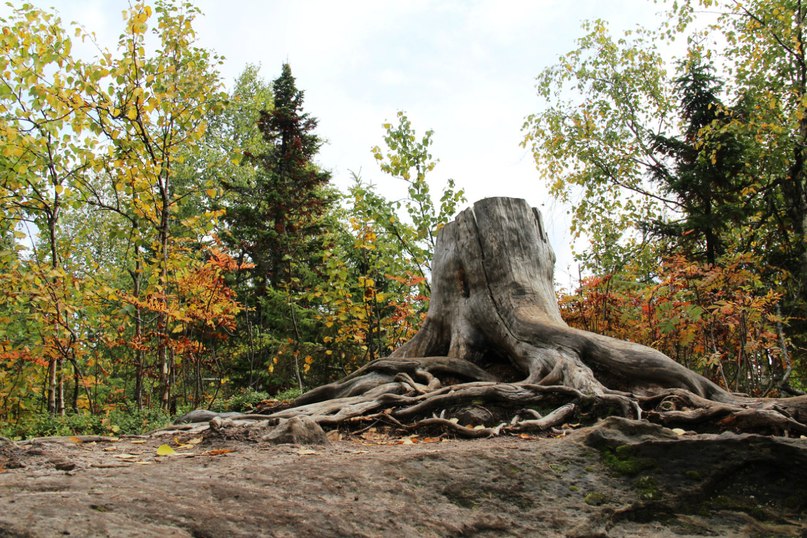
240, 402
117, 422
122, 421
289, 394
134, 422
45, 425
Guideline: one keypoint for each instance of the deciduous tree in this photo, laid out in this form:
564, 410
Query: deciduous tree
714, 168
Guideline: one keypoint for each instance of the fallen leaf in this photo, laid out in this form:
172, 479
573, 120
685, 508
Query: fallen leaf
306, 452
678, 431
375, 437
165, 450
110, 449
144, 463
75, 439
138, 442
187, 444
126, 457
219, 451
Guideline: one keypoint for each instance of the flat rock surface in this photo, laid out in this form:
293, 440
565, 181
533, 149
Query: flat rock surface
373, 485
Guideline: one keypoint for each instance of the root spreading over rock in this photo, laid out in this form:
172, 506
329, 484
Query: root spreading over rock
494, 356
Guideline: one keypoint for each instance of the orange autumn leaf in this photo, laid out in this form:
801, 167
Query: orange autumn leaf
219, 451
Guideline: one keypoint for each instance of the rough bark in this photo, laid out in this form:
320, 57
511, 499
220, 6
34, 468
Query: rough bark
494, 355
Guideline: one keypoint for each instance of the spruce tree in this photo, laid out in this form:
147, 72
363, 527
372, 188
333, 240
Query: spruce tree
704, 170
276, 216
277, 205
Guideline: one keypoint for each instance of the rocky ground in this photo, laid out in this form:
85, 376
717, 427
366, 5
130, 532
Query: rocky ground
618, 478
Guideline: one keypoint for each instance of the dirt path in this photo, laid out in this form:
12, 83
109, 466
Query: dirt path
363, 487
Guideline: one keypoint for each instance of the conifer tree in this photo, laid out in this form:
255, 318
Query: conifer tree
275, 216
705, 169
277, 207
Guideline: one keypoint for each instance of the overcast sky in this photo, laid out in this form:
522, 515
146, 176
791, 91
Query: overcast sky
464, 68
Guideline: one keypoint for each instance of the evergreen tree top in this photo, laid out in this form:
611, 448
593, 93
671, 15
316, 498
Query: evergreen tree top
287, 96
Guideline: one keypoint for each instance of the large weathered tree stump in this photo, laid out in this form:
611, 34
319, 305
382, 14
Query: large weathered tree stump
493, 296
494, 355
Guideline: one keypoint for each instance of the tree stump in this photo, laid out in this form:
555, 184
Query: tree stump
494, 355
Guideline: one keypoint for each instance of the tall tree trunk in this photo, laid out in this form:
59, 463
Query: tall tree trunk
51, 386
60, 387
56, 394
139, 356
164, 234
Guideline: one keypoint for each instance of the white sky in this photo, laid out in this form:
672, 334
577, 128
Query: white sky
464, 68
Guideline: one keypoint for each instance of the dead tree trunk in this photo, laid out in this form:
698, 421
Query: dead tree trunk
494, 354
